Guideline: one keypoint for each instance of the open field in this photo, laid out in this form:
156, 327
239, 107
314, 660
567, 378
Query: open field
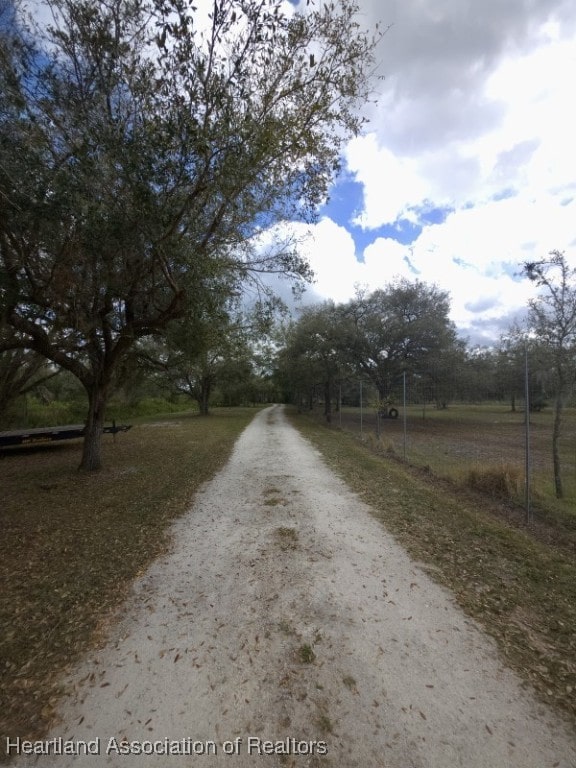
72, 542
513, 580
463, 438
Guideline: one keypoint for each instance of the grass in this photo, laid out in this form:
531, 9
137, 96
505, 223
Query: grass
72, 543
349, 682
287, 538
324, 724
482, 447
454, 440
515, 581
305, 654
501, 481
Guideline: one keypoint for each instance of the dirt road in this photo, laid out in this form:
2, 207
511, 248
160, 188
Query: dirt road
287, 628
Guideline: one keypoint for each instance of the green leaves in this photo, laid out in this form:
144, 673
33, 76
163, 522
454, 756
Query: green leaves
403, 327
143, 152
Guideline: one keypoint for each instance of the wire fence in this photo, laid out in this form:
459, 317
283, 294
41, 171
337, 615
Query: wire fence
500, 447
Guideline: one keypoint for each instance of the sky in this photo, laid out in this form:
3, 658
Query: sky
467, 167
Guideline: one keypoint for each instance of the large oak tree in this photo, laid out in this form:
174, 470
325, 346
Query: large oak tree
403, 327
141, 155
316, 354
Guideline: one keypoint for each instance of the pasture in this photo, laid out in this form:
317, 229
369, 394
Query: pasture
478, 444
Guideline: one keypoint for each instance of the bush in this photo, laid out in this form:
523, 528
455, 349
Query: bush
28, 413
500, 481
147, 406
379, 444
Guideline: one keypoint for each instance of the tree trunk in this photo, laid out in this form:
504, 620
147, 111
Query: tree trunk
513, 402
92, 448
555, 448
328, 402
311, 396
204, 397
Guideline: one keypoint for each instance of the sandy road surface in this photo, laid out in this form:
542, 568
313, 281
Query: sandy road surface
278, 558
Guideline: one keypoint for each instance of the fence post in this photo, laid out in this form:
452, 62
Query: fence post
361, 420
527, 438
404, 411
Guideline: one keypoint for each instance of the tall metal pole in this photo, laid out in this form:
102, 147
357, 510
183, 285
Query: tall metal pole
361, 419
404, 411
527, 461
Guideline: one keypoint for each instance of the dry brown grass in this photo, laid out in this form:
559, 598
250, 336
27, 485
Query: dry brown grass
463, 439
72, 543
518, 581
501, 481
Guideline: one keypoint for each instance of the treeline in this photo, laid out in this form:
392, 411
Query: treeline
401, 335
395, 341
227, 367
401, 338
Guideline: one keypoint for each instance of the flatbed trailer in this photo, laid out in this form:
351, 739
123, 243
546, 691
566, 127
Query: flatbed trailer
50, 434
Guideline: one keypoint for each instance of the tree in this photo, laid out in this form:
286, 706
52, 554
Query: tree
438, 381
22, 371
141, 159
404, 327
510, 366
476, 379
316, 354
517, 356
552, 318
217, 352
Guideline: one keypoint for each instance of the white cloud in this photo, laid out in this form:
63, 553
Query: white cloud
476, 114
391, 183
330, 250
476, 255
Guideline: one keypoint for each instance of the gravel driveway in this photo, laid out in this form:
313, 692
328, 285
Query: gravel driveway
287, 628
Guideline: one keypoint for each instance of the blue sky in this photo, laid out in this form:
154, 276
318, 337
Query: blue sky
466, 167
345, 206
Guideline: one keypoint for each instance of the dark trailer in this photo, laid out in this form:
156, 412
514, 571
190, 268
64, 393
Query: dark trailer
50, 434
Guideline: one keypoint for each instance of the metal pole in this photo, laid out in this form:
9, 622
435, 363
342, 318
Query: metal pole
527, 438
361, 419
340, 404
404, 409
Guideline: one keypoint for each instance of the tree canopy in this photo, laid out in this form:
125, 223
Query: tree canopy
142, 155
379, 336
403, 327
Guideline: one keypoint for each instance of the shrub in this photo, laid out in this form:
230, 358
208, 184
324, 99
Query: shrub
379, 444
146, 406
29, 412
500, 481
